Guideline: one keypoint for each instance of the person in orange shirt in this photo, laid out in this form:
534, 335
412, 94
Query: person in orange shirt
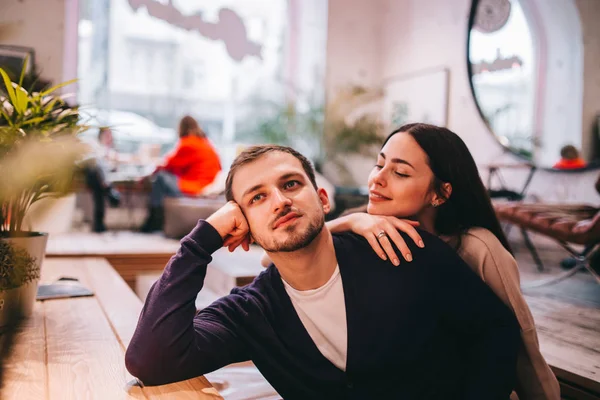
192, 166
570, 159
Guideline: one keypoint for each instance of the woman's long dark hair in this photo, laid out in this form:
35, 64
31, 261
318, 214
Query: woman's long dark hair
469, 204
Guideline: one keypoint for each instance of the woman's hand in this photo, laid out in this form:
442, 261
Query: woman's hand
381, 230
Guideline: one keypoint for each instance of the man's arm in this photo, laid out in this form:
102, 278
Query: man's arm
485, 323
172, 343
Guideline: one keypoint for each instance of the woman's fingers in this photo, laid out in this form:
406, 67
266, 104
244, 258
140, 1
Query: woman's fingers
408, 228
384, 241
372, 239
409, 221
394, 236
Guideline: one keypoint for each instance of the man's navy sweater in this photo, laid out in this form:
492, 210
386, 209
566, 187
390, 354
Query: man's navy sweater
429, 329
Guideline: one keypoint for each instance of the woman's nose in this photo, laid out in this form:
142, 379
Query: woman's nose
378, 177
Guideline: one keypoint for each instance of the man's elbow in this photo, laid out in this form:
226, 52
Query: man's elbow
146, 370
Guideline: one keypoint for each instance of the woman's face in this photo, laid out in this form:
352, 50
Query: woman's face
400, 182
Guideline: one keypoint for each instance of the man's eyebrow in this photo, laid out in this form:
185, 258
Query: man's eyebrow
281, 178
397, 160
252, 189
291, 175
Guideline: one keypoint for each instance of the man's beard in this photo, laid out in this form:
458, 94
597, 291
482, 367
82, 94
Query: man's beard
296, 240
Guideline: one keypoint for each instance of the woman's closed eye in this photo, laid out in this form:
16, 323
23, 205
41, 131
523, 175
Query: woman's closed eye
400, 174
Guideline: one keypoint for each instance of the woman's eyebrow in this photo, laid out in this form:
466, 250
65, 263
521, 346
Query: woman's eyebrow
397, 160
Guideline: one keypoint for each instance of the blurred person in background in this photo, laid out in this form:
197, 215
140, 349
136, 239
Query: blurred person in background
106, 159
186, 171
570, 159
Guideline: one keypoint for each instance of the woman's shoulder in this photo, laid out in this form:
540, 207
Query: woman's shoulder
480, 239
479, 244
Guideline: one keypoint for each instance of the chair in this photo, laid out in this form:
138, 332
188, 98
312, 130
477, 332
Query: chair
566, 223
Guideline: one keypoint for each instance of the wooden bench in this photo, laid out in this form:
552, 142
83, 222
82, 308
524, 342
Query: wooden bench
74, 348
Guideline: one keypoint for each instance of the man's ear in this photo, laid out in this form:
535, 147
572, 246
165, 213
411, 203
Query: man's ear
324, 197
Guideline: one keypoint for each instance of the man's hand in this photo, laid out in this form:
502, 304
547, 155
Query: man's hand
231, 224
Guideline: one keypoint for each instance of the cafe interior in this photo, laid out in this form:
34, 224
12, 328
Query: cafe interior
95, 95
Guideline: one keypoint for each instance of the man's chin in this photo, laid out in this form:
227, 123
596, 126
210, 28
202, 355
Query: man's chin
297, 239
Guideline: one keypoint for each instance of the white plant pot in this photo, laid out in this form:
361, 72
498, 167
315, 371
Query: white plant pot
51, 215
18, 302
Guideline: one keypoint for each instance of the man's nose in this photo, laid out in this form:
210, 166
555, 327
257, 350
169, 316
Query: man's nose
280, 200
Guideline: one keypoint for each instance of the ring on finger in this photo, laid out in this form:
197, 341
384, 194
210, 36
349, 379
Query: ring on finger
381, 234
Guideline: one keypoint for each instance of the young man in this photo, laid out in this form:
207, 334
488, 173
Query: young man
331, 320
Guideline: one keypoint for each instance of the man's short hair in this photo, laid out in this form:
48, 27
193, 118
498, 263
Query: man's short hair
255, 152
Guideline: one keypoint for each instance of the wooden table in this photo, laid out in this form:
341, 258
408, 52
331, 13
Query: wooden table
129, 253
74, 348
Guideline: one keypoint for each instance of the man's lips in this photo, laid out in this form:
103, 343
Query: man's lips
287, 217
376, 196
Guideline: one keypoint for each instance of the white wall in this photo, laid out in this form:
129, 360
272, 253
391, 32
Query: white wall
39, 24
560, 72
353, 43
385, 38
589, 12
354, 57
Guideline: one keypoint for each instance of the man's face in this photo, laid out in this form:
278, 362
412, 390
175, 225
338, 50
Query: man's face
283, 209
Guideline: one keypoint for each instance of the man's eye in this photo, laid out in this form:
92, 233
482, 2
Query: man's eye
256, 198
378, 166
290, 184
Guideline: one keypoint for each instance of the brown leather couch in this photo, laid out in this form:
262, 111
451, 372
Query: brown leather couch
568, 224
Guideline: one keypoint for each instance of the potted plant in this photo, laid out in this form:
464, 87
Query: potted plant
352, 127
38, 156
347, 126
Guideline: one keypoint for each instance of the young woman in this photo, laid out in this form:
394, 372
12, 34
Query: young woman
426, 173
188, 169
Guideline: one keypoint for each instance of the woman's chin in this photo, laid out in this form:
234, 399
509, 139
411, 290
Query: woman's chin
376, 209
388, 208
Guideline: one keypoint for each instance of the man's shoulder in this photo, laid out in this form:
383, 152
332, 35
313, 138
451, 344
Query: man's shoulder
356, 244
354, 251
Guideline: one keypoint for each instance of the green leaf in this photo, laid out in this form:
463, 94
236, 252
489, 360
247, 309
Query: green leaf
22, 100
54, 88
33, 121
23, 70
6, 117
9, 89
48, 107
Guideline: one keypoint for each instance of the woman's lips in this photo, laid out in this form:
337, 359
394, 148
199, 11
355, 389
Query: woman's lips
377, 197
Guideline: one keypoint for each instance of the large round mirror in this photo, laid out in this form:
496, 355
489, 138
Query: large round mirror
534, 76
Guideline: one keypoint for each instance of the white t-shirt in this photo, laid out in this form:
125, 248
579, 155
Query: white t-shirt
323, 314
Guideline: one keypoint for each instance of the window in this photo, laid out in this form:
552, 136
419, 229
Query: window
165, 59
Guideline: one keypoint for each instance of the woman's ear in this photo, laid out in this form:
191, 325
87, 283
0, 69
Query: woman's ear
447, 189
438, 200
